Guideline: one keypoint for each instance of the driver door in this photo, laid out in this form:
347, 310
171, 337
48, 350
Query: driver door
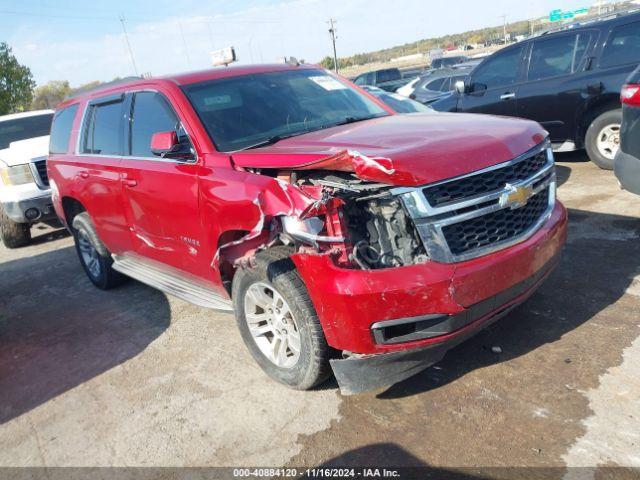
161, 194
493, 86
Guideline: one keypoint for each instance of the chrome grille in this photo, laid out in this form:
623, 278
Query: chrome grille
495, 227
39, 170
475, 214
484, 182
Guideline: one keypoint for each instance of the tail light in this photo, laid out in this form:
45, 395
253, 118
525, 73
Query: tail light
630, 94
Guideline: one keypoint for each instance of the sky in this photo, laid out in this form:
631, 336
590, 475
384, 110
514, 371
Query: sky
82, 41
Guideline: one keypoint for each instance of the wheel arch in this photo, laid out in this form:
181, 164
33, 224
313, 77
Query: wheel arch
71, 207
593, 111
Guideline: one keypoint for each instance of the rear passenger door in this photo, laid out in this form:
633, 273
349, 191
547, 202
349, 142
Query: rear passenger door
97, 170
556, 83
493, 85
161, 195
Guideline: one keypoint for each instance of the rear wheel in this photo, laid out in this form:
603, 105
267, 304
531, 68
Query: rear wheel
94, 256
278, 322
602, 140
13, 234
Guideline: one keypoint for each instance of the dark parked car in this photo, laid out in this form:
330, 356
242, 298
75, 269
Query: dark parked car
435, 85
627, 165
445, 62
568, 80
397, 102
389, 79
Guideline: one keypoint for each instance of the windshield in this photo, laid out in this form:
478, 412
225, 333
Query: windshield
23, 128
251, 110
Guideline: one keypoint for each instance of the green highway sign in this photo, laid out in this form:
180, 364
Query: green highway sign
559, 15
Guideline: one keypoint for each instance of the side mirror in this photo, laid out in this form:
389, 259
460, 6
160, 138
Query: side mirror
163, 143
168, 145
460, 87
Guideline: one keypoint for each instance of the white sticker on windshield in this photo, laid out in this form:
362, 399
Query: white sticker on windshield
328, 83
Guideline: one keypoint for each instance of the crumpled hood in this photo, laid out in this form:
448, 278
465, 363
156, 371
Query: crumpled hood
23, 151
404, 150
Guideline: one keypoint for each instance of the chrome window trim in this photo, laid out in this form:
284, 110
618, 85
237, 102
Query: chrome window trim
87, 104
429, 221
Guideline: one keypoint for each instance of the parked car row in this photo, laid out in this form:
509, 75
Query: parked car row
567, 80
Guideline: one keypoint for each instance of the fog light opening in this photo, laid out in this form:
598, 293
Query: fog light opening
32, 214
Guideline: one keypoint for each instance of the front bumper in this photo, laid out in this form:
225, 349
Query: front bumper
627, 170
472, 294
16, 209
359, 374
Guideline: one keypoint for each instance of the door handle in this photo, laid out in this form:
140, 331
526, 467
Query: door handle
130, 183
507, 96
84, 174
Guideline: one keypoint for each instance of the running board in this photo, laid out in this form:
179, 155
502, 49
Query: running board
170, 281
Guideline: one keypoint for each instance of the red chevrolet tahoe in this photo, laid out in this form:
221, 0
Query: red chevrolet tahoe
344, 236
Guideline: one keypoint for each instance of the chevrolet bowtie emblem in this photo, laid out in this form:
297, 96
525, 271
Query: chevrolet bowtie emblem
516, 197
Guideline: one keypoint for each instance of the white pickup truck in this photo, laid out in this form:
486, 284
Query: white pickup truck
25, 196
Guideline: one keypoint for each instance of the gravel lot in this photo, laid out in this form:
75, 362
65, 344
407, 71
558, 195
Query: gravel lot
132, 377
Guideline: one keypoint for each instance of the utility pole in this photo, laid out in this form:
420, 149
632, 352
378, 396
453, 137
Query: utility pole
126, 37
504, 28
332, 32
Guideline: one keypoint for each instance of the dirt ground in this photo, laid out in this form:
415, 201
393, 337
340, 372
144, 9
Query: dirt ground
132, 377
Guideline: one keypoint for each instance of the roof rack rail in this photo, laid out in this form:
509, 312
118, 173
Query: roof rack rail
598, 18
100, 86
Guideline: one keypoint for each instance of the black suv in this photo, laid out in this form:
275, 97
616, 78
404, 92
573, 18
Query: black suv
569, 80
628, 157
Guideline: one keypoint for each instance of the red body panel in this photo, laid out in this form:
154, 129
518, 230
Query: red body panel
350, 301
199, 217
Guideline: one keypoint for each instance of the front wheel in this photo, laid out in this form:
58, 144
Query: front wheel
278, 322
602, 140
13, 234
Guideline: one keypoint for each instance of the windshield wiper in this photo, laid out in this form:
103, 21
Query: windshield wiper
273, 139
348, 120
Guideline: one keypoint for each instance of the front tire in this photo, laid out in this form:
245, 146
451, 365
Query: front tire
278, 322
13, 234
602, 140
94, 256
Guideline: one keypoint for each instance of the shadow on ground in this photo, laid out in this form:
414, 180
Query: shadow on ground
599, 262
57, 330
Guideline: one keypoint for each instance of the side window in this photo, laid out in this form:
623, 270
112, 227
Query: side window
102, 133
151, 114
557, 56
445, 85
623, 46
61, 129
434, 85
359, 80
500, 70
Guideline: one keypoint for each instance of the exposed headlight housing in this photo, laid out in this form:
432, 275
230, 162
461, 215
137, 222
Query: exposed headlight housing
307, 230
16, 175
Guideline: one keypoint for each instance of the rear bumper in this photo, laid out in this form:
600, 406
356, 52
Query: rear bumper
16, 209
627, 170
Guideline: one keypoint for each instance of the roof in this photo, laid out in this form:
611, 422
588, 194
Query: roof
187, 78
32, 113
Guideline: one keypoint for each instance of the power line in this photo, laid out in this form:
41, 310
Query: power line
126, 37
184, 42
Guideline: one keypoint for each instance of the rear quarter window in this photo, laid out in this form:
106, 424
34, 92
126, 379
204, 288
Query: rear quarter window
622, 47
61, 129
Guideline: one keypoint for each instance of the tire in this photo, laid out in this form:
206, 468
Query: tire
275, 271
603, 138
94, 256
14, 234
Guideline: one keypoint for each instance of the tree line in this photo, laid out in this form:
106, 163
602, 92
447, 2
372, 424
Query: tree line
18, 92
